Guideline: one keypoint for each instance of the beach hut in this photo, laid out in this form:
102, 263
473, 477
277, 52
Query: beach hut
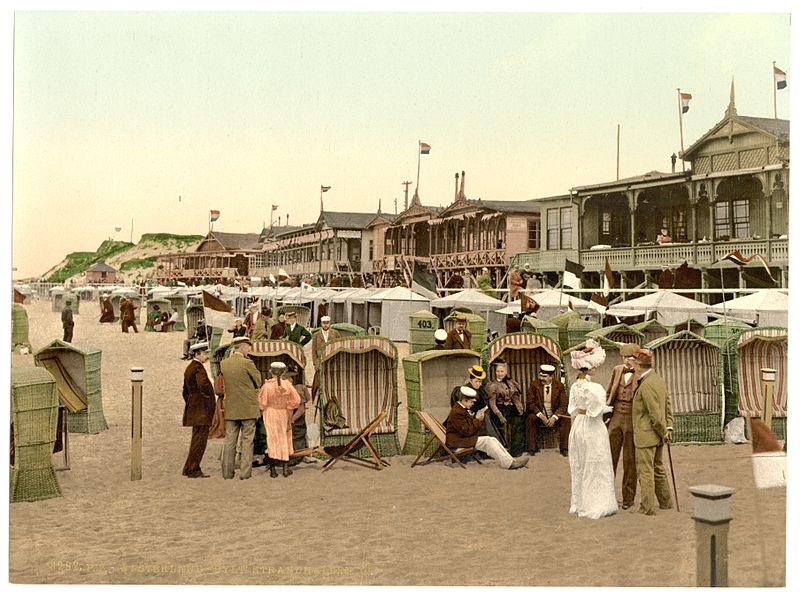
724, 333
475, 324
524, 352
338, 309
652, 330
578, 330
430, 377
766, 308
194, 313
19, 328
620, 333
757, 349
668, 307
360, 375
478, 303
57, 298
348, 329
692, 368
22, 294
163, 305
422, 325
603, 373
34, 417
76, 370
690, 325
534, 325
389, 310
562, 321
86, 293
116, 298
357, 309
177, 302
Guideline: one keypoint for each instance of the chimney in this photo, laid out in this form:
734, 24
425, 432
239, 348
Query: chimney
287, 219
463, 178
279, 221
674, 158
455, 198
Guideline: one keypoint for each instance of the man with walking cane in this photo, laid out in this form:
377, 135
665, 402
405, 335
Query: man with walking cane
652, 428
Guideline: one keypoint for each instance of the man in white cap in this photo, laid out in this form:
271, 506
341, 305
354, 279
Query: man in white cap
463, 432
198, 411
546, 405
440, 337
242, 382
320, 339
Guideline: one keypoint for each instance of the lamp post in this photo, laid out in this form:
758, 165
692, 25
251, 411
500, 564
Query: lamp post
137, 378
712, 516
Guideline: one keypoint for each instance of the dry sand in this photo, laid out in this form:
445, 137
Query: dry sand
398, 526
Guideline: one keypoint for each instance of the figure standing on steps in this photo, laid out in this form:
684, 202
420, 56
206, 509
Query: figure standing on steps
278, 399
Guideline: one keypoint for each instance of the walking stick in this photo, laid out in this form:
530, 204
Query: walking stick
672, 472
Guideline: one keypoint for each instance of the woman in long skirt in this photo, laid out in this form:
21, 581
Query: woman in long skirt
593, 493
278, 401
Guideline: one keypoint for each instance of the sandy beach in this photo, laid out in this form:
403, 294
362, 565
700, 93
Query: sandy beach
350, 525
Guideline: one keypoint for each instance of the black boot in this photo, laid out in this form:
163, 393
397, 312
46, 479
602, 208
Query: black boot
272, 472
286, 471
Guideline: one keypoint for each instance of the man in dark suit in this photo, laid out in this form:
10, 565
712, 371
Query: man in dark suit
463, 430
67, 321
459, 336
198, 411
620, 427
651, 413
546, 404
513, 323
294, 331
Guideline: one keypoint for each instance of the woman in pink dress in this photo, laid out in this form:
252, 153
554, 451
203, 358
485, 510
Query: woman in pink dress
278, 400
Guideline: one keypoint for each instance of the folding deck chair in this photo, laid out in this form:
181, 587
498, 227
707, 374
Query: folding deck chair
343, 452
439, 434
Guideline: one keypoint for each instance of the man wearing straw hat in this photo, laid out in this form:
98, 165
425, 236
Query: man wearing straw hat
198, 412
651, 413
459, 336
66, 320
241, 408
295, 332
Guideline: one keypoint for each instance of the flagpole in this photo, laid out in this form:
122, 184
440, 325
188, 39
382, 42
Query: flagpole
774, 92
617, 151
419, 151
680, 120
320, 199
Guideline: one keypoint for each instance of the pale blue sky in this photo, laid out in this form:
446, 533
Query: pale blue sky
116, 115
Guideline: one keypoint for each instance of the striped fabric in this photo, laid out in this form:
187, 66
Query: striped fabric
362, 374
759, 349
690, 367
524, 353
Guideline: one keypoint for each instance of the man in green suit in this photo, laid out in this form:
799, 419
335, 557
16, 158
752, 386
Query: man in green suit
652, 428
242, 382
294, 331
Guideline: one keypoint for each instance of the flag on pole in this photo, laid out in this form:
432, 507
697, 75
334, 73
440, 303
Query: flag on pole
608, 279
572, 274
527, 304
272, 279
769, 459
598, 303
685, 99
213, 215
117, 229
217, 312
324, 189
739, 259
780, 78
424, 148
274, 207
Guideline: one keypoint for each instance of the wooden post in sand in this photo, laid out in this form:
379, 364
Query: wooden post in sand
137, 377
768, 391
712, 516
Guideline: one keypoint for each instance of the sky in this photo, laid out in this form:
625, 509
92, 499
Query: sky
145, 121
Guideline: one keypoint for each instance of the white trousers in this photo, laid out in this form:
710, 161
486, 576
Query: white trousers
495, 449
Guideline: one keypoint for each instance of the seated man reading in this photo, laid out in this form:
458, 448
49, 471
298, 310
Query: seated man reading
463, 428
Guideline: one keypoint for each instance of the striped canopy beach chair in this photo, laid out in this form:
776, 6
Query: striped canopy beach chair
524, 352
692, 369
758, 349
289, 353
359, 374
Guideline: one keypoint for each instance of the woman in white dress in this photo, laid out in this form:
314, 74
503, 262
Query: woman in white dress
593, 493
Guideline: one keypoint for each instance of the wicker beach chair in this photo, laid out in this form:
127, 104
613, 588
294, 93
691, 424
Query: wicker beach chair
361, 440
439, 434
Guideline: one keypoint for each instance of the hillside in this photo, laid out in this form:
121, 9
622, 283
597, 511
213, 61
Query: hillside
132, 261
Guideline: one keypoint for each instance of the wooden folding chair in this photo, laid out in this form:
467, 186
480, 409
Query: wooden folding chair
439, 433
343, 452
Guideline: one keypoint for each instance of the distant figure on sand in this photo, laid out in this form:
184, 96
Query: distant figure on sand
107, 311
278, 400
66, 320
198, 411
127, 314
593, 494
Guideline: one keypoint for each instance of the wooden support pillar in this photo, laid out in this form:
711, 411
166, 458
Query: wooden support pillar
712, 516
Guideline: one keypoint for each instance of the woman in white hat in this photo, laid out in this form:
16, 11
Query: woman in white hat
593, 493
278, 400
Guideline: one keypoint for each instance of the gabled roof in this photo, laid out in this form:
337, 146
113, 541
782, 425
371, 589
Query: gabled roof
101, 266
776, 128
346, 219
233, 241
381, 218
417, 209
272, 231
647, 177
523, 206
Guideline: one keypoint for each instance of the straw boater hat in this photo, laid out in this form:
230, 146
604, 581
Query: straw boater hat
628, 350
460, 317
291, 314
590, 357
468, 392
199, 347
477, 372
440, 335
241, 340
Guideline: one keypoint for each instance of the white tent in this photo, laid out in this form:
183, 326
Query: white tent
339, 309
665, 306
356, 306
479, 303
553, 302
390, 309
764, 308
